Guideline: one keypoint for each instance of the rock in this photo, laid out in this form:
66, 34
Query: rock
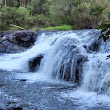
16, 41
2, 48
71, 70
23, 80
95, 46
79, 60
12, 48
1, 34
23, 38
5, 34
6, 43
12, 108
34, 63
15, 108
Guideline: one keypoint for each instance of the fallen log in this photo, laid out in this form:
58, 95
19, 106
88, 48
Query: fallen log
17, 27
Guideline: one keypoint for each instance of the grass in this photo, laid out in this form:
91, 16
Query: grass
63, 27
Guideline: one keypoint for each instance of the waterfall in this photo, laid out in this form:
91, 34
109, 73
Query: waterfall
74, 56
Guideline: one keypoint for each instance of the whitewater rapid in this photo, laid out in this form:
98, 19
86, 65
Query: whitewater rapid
69, 56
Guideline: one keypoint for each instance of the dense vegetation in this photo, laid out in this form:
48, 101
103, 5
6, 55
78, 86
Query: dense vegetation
77, 14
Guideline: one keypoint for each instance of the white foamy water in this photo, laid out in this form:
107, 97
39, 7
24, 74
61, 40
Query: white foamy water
85, 100
73, 56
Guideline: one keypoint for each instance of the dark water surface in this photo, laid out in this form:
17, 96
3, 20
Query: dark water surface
36, 95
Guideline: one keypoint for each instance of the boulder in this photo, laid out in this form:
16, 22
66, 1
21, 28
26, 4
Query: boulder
16, 41
8, 47
34, 63
23, 38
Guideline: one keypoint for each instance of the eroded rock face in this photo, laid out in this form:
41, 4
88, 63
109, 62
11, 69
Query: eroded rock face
22, 38
68, 61
72, 71
8, 47
34, 63
16, 41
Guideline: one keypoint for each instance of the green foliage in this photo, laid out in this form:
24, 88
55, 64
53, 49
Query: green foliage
63, 27
7, 17
105, 33
88, 15
44, 13
61, 11
96, 9
22, 11
22, 16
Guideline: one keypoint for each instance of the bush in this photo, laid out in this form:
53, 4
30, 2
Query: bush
23, 16
7, 17
88, 15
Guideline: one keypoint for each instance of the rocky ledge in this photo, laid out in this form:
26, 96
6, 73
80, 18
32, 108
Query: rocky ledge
16, 41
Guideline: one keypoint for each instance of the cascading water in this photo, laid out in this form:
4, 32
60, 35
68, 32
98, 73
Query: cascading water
75, 56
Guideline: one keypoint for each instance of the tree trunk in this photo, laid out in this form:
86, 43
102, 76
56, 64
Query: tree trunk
5, 5
22, 3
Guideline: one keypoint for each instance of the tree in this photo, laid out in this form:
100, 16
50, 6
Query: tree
61, 11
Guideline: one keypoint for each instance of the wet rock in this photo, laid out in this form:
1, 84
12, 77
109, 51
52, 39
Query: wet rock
5, 34
73, 70
69, 62
23, 38
15, 108
95, 46
16, 41
79, 61
12, 48
6, 43
23, 80
2, 48
34, 63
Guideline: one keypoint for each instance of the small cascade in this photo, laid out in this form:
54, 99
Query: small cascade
74, 56
96, 74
